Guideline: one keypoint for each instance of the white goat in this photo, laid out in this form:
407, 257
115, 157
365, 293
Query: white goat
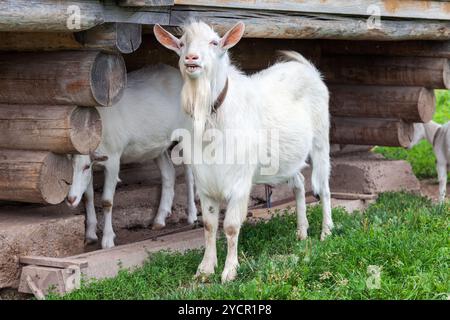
137, 128
289, 98
439, 137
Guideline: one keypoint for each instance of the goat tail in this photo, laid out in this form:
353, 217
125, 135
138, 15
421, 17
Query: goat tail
290, 55
320, 158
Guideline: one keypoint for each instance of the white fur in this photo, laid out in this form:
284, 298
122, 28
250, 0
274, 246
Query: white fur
136, 129
290, 96
440, 134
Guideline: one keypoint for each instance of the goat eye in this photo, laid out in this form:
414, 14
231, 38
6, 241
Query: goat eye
214, 43
86, 167
181, 44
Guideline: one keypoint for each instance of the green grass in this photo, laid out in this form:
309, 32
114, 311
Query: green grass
421, 157
403, 234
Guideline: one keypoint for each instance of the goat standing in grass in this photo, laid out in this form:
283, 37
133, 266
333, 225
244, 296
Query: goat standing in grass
439, 137
138, 128
289, 98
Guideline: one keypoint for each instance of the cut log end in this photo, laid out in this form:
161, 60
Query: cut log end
426, 105
446, 74
55, 178
86, 129
109, 78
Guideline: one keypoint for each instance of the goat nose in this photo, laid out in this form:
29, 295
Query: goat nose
191, 57
71, 199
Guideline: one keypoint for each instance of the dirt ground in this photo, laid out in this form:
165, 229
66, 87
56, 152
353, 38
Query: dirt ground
430, 188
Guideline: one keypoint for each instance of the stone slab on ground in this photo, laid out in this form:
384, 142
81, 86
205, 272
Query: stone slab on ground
53, 231
371, 174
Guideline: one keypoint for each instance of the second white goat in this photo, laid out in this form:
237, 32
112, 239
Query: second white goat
136, 129
439, 137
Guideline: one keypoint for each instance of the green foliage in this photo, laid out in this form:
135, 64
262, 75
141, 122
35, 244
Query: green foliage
421, 156
403, 234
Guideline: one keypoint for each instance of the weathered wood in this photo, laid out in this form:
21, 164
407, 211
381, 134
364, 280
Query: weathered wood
45, 279
411, 104
145, 3
146, 15
396, 71
84, 78
53, 262
60, 129
111, 37
122, 37
249, 54
381, 132
42, 15
423, 9
436, 49
297, 25
34, 176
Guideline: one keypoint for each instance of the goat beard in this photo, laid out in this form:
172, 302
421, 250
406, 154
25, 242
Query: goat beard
196, 100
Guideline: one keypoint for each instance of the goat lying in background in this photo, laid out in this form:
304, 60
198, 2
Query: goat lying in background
439, 137
289, 98
136, 129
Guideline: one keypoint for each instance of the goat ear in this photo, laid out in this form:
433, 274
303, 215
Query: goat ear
167, 39
232, 36
95, 157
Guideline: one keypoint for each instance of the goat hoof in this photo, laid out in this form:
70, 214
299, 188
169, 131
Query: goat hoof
302, 234
158, 226
325, 234
90, 240
108, 242
229, 274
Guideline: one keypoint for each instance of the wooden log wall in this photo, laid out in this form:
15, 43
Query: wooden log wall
390, 83
50, 84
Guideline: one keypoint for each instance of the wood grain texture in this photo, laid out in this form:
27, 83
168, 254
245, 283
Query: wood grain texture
397, 71
60, 129
145, 3
249, 54
84, 78
422, 9
411, 104
297, 25
381, 132
34, 176
115, 37
41, 15
435, 49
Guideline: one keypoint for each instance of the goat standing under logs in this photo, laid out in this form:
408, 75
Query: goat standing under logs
439, 137
289, 99
137, 128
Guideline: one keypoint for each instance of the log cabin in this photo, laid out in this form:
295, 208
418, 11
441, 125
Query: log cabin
381, 59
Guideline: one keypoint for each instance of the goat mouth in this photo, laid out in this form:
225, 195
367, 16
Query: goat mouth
192, 67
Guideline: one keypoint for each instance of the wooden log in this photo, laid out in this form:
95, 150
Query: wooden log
411, 104
298, 25
122, 37
34, 176
423, 9
435, 49
380, 132
60, 129
43, 15
83, 78
249, 54
110, 37
395, 71
145, 3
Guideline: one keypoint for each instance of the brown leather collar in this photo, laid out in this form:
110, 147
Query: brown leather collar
435, 135
220, 98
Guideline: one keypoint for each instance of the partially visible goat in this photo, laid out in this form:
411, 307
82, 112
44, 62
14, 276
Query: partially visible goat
289, 99
136, 129
439, 136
